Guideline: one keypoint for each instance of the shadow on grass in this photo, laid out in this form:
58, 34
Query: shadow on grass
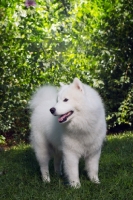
117, 152
19, 160
117, 157
20, 174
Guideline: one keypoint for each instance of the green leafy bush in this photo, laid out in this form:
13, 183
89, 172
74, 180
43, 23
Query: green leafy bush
115, 61
56, 41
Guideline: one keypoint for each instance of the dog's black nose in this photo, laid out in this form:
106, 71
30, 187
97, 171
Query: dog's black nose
52, 110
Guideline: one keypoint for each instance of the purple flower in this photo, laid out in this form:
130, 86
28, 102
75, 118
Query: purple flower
29, 3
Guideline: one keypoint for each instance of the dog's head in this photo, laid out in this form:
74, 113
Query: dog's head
68, 101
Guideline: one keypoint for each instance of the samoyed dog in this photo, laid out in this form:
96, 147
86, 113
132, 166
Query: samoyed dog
68, 125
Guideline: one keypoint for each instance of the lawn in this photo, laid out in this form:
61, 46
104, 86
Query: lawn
20, 176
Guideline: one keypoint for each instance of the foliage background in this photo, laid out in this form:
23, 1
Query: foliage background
56, 41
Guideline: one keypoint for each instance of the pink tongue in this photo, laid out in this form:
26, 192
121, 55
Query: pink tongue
60, 119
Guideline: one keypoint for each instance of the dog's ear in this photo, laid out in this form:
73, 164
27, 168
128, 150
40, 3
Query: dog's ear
78, 84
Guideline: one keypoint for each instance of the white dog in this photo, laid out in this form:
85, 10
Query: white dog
77, 129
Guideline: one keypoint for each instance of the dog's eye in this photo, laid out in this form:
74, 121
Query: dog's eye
65, 100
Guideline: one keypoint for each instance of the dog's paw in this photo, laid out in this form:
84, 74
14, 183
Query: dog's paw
95, 180
46, 179
75, 185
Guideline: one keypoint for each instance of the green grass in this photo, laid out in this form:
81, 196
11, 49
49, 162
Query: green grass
20, 176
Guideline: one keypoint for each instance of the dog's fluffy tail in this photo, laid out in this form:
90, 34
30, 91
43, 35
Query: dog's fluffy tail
44, 94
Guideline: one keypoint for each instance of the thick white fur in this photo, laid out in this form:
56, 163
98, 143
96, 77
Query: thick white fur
81, 135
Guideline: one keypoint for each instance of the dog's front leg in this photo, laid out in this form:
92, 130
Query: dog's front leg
71, 162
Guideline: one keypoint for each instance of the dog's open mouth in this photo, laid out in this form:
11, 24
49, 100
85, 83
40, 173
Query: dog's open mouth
64, 117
